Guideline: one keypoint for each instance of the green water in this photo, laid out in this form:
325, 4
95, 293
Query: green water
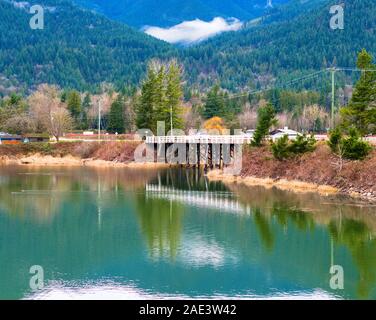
116, 233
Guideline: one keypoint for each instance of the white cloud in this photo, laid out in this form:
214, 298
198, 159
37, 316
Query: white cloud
193, 31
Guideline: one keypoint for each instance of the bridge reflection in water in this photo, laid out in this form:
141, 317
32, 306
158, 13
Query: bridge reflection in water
223, 201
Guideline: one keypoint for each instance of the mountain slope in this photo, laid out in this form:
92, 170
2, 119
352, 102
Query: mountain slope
81, 49
77, 48
139, 13
285, 47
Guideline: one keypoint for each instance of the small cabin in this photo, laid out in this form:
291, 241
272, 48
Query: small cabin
10, 139
36, 138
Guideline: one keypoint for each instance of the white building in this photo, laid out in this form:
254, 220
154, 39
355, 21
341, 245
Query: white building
279, 133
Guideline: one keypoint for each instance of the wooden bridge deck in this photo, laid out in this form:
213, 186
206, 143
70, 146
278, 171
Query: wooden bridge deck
198, 139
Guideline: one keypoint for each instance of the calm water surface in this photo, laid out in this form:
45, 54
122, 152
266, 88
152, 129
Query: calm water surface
117, 233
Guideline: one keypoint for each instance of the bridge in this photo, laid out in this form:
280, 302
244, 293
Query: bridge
198, 150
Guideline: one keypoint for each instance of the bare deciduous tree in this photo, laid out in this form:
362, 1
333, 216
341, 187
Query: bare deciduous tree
49, 113
248, 119
20, 124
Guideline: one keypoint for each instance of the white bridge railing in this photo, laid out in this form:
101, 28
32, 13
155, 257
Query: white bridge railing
218, 139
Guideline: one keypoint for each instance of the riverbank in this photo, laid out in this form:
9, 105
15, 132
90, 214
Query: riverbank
90, 154
319, 171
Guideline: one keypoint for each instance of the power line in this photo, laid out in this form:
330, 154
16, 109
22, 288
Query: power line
306, 77
297, 80
313, 75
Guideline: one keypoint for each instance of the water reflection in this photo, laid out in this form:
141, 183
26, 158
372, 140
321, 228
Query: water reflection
174, 233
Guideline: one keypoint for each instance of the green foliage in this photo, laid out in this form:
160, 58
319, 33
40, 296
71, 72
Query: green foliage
288, 100
74, 104
171, 12
174, 96
86, 106
361, 111
354, 148
351, 147
335, 139
77, 48
280, 148
219, 104
10, 108
300, 46
161, 97
116, 118
215, 103
283, 148
86, 103
303, 144
266, 118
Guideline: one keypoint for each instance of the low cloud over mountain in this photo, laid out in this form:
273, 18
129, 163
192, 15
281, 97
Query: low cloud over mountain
194, 31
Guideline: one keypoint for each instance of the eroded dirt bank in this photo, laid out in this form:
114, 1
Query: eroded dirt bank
106, 154
319, 171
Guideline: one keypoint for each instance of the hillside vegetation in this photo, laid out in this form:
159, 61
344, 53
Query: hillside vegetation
80, 49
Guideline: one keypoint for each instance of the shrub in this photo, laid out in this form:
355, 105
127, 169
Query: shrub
351, 147
303, 144
335, 139
281, 148
354, 148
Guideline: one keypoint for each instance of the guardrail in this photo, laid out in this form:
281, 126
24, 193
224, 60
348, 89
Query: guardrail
199, 139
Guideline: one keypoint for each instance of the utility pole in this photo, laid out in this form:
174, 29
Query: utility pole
333, 71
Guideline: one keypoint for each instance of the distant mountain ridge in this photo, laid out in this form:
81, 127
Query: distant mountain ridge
140, 13
287, 47
77, 48
80, 49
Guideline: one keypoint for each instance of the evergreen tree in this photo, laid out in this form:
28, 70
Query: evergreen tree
86, 106
361, 111
265, 120
215, 104
74, 104
160, 96
116, 121
161, 92
174, 95
86, 103
146, 104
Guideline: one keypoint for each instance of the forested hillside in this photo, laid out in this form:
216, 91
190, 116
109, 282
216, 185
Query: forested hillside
139, 13
80, 49
76, 49
286, 48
